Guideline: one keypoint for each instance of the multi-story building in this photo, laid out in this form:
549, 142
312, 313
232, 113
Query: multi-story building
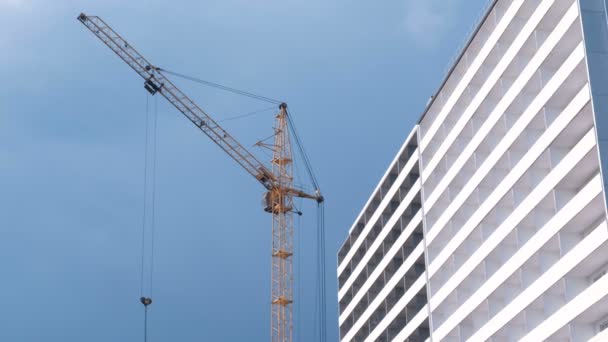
490, 223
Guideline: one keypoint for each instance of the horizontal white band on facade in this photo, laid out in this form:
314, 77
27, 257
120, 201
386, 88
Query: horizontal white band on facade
490, 43
408, 262
407, 201
568, 162
532, 246
546, 185
528, 72
562, 267
506, 184
591, 295
388, 171
390, 285
483, 92
399, 307
385, 201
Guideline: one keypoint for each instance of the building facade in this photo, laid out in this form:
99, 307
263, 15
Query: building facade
490, 223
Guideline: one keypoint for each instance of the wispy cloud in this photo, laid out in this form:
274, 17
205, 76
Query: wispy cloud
427, 20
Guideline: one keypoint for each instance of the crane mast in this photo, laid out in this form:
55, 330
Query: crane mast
282, 233
277, 179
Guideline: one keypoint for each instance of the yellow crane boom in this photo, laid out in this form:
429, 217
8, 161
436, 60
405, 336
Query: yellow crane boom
277, 179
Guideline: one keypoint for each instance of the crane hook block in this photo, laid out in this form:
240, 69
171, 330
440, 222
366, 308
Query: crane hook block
145, 301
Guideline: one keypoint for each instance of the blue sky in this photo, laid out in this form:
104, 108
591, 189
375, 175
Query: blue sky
356, 75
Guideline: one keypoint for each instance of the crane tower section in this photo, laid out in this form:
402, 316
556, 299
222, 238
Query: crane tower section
281, 207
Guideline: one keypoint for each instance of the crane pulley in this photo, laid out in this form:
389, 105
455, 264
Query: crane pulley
276, 178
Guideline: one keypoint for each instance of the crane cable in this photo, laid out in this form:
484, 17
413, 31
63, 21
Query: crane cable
321, 304
305, 159
321, 272
298, 278
248, 114
146, 294
222, 87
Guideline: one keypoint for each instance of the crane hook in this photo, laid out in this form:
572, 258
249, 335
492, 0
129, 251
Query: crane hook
145, 301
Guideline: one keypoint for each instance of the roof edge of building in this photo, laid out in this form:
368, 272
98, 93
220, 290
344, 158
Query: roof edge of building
464, 48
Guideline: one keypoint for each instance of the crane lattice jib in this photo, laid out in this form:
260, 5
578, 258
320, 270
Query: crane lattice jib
155, 81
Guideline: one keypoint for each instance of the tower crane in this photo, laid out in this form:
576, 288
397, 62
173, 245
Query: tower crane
277, 178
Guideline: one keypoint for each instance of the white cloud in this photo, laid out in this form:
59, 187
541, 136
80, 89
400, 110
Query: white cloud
427, 20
